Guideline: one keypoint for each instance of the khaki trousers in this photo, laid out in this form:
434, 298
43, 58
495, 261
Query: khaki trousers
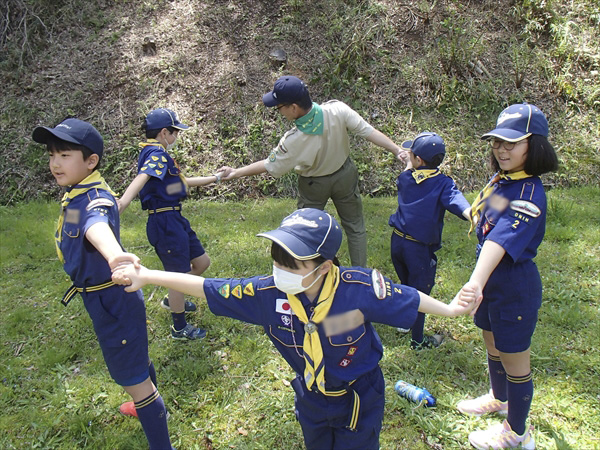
341, 187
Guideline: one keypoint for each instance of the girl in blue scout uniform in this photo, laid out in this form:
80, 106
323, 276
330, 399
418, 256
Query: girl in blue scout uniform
87, 241
510, 219
161, 187
319, 317
424, 195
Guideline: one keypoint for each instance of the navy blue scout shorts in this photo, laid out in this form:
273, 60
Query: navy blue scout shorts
511, 300
415, 263
119, 320
324, 419
175, 242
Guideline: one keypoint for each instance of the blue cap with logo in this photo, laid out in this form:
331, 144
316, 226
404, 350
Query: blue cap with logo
519, 122
426, 145
287, 89
160, 118
74, 131
308, 233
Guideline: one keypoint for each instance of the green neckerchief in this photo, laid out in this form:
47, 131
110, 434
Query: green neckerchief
92, 181
479, 202
314, 370
421, 175
312, 122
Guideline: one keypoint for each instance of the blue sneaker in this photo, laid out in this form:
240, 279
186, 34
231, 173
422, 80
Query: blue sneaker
189, 332
189, 306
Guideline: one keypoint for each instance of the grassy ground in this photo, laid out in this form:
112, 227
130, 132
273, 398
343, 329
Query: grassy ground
232, 390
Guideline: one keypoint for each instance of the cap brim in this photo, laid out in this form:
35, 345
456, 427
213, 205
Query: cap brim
269, 100
180, 126
41, 135
291, 244
407, 145
506, 134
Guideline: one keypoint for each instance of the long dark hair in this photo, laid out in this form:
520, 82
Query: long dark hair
541, 157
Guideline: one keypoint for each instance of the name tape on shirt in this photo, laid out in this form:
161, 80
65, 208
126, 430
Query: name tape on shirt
525, 207
341, 323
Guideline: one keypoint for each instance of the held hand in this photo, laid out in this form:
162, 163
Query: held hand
403, 156
130, 276
123, 259
227, 173
470, 294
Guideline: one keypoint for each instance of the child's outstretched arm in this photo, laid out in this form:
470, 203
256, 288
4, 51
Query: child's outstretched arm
103, 239
203, 181
490, 256
137, 277
457, 307
132, 191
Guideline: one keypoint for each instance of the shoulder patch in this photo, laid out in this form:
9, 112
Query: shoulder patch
237, 291
378, 284
224, 290
99, 202
525, 207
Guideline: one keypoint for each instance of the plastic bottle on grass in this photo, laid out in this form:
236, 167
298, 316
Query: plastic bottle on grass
414, 394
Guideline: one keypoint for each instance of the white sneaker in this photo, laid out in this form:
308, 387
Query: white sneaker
501, 436
482, 405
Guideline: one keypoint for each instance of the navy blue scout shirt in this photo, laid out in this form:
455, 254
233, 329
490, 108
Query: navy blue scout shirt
421, 206
83, 263
353, 347
515, 218
165, 186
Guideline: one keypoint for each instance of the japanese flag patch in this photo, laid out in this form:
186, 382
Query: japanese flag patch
282, 306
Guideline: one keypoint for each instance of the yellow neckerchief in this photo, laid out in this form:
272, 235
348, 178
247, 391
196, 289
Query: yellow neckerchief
479, 202
313, 352
92, 181
421, 175
156, 143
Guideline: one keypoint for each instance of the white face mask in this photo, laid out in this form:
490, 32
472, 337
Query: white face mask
171, 146
291, 283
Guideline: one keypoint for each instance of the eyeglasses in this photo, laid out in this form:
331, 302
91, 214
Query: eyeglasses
496, 143
278, 107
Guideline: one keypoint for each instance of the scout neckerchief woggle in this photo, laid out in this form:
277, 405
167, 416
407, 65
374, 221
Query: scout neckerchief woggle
422, 174
313, 352
92, 181
153, 164
479, 202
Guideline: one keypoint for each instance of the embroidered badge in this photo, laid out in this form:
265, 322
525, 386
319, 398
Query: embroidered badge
352, 350
272, 156
151, 165
525, 207
285, 319
282, 305
159, 172
249, 289
224, 290
345, 362
378, 284
237, 291
154, 158
163, 159
99, 202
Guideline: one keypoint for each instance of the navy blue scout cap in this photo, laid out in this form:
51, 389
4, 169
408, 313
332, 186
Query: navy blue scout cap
287, 89
519, 122
74, 131
163, 118
307, 233
426, 145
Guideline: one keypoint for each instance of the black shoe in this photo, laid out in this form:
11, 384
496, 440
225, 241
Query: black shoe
189, 306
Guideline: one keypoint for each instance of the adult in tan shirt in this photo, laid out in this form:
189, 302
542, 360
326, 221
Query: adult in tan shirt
318, 149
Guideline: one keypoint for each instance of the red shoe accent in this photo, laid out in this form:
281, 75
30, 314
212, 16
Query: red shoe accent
128, 409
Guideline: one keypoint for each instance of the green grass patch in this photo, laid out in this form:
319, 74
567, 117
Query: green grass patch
232, 389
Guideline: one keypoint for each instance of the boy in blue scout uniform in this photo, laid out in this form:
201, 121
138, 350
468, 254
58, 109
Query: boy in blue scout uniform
319, 317
424, 195
87, 241
161, 187
510, 218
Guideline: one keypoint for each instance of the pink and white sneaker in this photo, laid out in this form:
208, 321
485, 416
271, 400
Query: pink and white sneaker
483, 405
501, 436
